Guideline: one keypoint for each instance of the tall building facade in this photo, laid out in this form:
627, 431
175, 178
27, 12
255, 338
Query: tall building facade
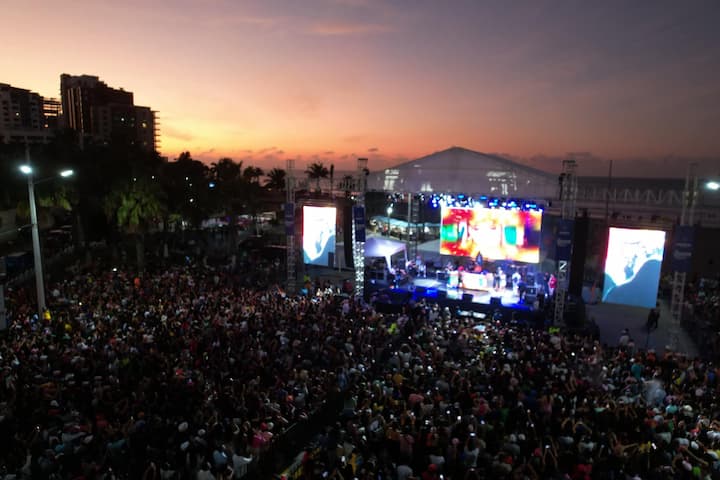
26, 116
101, 114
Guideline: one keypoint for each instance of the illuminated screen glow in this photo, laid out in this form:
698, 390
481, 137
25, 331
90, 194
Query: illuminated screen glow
496, 234
318, 235
632, 266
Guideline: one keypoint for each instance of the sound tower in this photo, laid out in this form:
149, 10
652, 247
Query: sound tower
347, 235
579, 252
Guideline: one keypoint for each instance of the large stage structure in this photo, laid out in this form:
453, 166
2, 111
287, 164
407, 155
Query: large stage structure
677, 300
568, 197
358, 228
290, 226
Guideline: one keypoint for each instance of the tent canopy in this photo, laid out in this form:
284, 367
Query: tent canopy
465, 171
384, 247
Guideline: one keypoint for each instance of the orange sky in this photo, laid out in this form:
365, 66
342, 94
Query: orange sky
331, 80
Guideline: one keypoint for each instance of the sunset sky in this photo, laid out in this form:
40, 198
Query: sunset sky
330, 80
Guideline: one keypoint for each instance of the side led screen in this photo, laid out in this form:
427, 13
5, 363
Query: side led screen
318, 234
495, 234
632, 266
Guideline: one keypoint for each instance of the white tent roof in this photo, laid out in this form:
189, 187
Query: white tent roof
383, 247
458, 170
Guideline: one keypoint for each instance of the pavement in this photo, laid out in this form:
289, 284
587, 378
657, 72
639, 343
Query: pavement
612, 319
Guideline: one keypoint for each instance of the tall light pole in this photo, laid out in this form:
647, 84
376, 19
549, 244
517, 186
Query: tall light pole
39, 283
389, 212
37, 257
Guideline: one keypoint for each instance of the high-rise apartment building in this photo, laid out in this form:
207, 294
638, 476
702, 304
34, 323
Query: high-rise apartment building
101, 114
26, 116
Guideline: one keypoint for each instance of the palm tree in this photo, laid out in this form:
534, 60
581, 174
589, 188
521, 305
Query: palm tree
316, 171
347, 183
252, 174
227, 174
133, 207
276, 179
226, 170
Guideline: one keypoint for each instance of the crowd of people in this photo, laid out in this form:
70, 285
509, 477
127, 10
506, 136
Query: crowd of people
186, 373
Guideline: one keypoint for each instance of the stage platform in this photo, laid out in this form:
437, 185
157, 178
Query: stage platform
484, 303
506, 297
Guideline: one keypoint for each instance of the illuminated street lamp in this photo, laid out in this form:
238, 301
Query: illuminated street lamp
713, 185
39, 283
389, 212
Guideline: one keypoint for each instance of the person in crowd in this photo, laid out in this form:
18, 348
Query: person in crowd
189, 376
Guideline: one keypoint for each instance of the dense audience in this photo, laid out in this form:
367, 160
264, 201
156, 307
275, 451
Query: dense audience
186, 374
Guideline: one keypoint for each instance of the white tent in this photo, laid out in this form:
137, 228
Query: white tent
459, 170
385, 248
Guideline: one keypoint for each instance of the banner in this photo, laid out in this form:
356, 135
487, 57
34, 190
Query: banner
682, 248
359, 219
563, 249
289, 219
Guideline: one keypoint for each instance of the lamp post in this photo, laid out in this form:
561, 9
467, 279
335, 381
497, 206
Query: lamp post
39, 282
389, 212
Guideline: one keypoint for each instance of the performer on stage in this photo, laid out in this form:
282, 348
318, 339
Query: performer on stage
496, 278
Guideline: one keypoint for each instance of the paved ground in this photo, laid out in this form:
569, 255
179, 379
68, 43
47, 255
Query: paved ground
612, 319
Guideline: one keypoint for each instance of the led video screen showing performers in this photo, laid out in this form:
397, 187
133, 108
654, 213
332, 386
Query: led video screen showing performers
496, 234
632, 266
318, 234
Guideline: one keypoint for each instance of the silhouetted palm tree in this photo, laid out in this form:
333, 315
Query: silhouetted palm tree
317, 171
276, 179
347, 184
252, 174
133, 207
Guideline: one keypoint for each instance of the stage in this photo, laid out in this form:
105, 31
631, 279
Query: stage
431, 287
487, 302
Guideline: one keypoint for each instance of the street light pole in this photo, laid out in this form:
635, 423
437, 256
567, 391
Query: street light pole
39, 282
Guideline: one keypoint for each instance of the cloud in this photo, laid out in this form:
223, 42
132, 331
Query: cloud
344, 28
251, 20
373, 149
175, 133
328, 152
353, 138
266, 150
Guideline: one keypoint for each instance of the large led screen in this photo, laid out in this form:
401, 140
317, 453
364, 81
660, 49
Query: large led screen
318, 235
495, 234
632, 266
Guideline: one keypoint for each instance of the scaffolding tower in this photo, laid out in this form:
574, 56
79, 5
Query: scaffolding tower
290, 226
568, 198
677, 300
359, 246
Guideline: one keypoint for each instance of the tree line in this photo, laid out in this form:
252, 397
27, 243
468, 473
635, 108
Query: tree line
121, 190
